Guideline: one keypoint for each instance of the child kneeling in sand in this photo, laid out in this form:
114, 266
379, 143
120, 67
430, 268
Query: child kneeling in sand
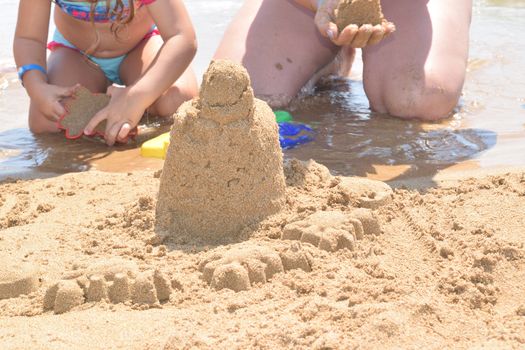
145, 45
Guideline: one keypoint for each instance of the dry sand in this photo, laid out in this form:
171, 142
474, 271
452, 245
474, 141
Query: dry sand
223, 169
436, 268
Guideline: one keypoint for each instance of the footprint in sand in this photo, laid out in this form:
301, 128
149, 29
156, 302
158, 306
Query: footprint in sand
115, 281
242, 266
333, 230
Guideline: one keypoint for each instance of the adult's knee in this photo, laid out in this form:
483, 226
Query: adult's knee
430, 99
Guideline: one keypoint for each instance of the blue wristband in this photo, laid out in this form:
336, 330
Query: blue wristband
24, 69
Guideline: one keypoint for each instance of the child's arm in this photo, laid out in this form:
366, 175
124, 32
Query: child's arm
126, 109
29, 47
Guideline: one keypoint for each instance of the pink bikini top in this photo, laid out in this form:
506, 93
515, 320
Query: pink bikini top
82, 9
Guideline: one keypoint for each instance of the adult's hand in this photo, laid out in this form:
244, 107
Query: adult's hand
351, 35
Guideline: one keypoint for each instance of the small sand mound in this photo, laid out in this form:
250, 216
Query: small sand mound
370, 194
328, 230
115, 281
16, 281
358, 12
223, 169
242, 266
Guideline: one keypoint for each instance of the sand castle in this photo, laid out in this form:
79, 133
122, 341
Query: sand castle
358, 12
114, 280
17, 280
223, 170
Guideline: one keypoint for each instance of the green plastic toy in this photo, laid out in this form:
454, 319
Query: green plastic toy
282, 116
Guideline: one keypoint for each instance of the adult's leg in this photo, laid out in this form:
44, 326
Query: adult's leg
418, 72
137, 63
66, 67
280, 46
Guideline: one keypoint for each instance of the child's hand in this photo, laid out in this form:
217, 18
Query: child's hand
122, 114
353, 36
47, 98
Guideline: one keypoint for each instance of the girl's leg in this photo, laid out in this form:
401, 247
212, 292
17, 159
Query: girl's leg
66, 67
418, 72
137, 63
278, 43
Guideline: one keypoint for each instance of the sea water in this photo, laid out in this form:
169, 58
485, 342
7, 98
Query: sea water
486, 131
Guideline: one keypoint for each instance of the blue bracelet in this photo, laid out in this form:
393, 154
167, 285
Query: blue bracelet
24, 69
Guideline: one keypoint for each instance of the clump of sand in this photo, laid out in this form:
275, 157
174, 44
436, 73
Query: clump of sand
223, 170
358, 12
17, 280
81, 108
244, 265
437, 267
113, 280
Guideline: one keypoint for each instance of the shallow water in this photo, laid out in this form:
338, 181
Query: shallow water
487, 131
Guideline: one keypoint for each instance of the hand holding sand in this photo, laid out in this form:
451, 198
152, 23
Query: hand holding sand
48, 99
356, 23
122, 115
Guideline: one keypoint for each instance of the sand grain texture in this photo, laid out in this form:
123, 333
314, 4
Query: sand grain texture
358, 12
81, 108
16, 280
223, 170
435, 268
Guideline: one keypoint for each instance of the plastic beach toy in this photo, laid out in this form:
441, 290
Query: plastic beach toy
156, 147
282, 116
80, 109
294, 134
291, 134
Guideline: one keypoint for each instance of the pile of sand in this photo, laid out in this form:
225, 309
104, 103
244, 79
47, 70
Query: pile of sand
358, 12
433, 268
223, 170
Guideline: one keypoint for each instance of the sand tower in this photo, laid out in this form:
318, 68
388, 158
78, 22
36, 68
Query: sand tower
223, 169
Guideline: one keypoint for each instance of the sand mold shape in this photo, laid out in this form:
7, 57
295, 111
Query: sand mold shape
358, 12
115, 281
224, 160
333, 230
240, 267
16, 281
80, 109
370, 194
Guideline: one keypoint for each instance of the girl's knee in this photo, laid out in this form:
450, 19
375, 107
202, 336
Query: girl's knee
170, 101
38, 124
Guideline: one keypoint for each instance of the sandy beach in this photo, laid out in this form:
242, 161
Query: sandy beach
445, 270
230, 244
